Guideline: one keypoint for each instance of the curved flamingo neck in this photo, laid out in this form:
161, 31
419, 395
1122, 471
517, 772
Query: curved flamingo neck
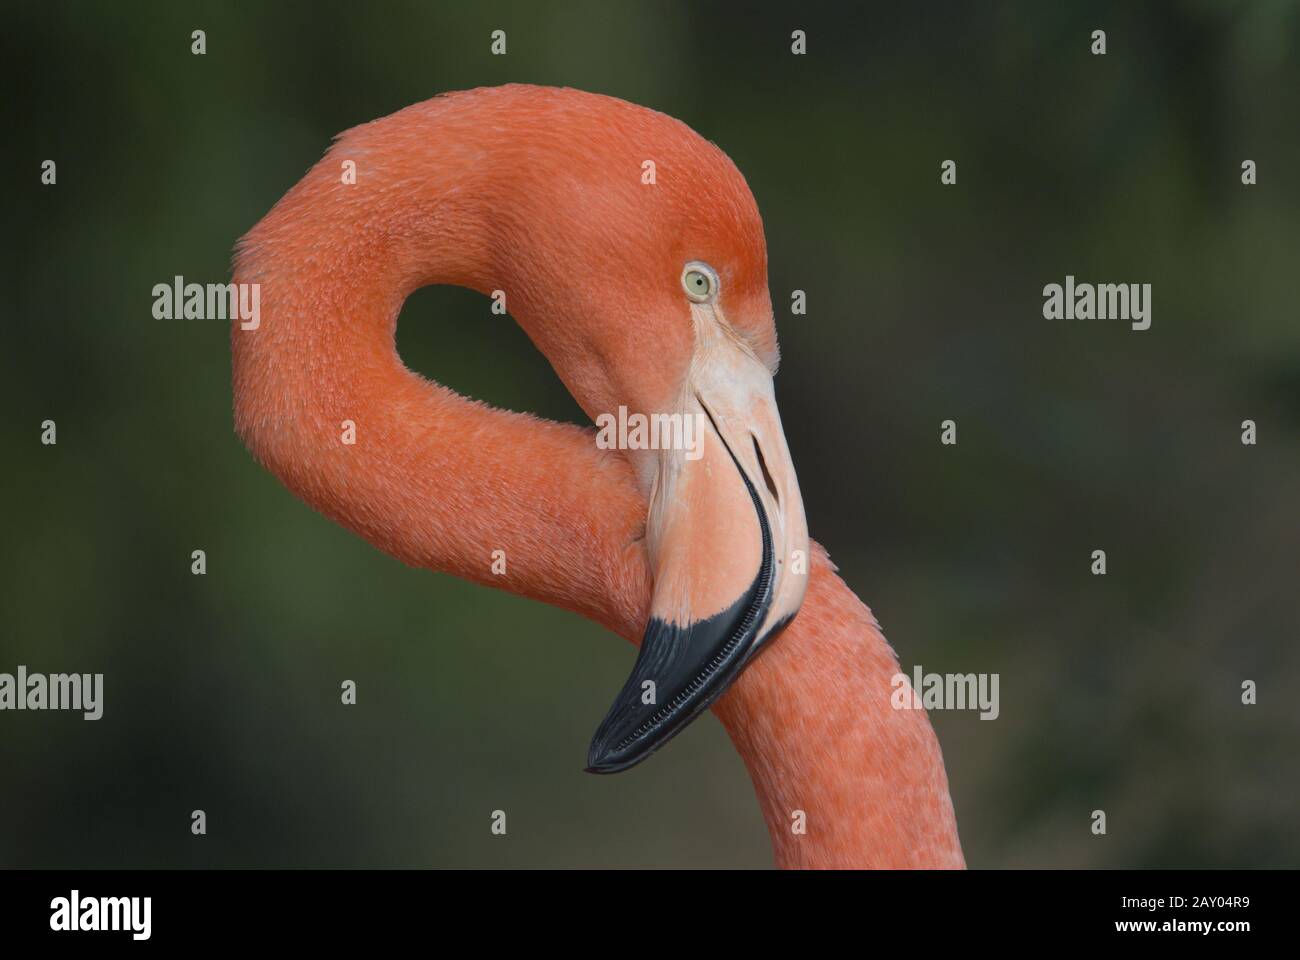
442, 482
813, 720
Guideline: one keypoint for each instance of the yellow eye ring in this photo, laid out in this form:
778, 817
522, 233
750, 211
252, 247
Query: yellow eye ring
699, 281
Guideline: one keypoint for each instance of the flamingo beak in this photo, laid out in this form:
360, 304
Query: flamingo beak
728, 544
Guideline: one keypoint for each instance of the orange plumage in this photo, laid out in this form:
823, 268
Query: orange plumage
537, 192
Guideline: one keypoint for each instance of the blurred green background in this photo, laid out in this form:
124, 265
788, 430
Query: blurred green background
1119, 692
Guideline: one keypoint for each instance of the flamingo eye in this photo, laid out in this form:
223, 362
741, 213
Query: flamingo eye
699, 281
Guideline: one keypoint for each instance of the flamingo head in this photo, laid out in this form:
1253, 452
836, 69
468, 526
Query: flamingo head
639, 267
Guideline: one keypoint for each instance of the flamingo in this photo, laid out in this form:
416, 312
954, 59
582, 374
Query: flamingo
644, 292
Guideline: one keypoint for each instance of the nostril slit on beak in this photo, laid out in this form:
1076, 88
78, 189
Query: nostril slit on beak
762, 465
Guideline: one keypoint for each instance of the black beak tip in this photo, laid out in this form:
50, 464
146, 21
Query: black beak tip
603, 759
689, 665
